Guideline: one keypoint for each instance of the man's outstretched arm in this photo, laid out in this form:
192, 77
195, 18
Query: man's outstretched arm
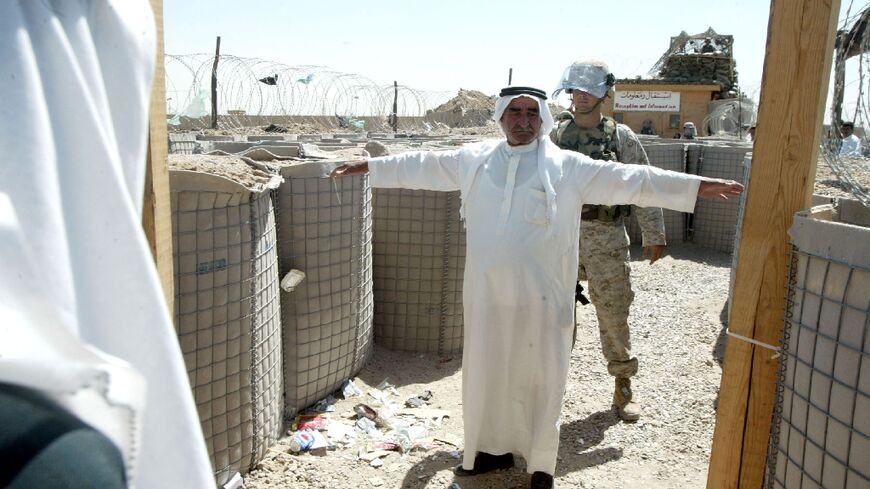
717, 188
356, 167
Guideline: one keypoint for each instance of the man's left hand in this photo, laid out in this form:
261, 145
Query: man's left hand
712, 188
653, 252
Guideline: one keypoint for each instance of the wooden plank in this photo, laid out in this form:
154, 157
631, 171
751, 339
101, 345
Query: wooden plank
156, 214
795, 81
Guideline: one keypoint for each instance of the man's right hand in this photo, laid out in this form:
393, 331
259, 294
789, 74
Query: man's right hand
350, 168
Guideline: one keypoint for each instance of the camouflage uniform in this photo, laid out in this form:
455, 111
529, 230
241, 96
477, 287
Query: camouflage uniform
604, 258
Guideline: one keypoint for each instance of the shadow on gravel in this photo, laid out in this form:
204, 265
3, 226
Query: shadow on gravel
420, 474
401, 368
722, 340
575, 453
577, 439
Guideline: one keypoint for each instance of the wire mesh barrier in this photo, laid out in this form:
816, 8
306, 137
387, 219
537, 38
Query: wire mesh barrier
324, 231
419, 260
668, 156
821, 431
738, 230
713, 224
254, 92
730, 119
227, 315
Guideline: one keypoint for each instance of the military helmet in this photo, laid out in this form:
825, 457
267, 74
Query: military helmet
592, 77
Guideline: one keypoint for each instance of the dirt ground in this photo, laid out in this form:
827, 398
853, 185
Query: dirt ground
677, 323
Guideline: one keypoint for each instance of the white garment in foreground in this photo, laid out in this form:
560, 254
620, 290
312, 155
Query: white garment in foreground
521, 267
82, 315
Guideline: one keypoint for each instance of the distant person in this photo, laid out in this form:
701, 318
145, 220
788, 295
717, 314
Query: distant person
752, 133
647, 128
689, 131
521, 197
708, 47
851, 145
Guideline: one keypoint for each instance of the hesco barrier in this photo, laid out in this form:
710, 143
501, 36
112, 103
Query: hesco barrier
324, 230
738, 227
419, 260
713, 224
227, 315
668, 156
821, 427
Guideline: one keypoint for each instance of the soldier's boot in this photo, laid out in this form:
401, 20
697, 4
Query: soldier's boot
623, 400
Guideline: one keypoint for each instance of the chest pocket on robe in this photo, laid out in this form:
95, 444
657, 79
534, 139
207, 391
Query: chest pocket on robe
536, 207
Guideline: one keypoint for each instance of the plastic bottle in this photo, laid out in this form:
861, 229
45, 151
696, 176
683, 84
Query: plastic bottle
301, 441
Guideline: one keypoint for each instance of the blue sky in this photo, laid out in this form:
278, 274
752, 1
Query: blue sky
454, 44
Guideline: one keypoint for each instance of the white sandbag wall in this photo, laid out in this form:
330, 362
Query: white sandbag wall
713, 224
419, 260
821, 427
324, 231
227, 314
667, 156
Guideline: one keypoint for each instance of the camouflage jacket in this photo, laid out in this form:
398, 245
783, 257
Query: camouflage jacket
614, 142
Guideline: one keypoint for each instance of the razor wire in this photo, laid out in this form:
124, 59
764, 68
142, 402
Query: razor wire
853, 172
253, 92
731, 118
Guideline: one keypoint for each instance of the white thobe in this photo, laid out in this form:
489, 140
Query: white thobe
82, 315
521, 267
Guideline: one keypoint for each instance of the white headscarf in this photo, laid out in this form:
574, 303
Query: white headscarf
546, 117
549, 160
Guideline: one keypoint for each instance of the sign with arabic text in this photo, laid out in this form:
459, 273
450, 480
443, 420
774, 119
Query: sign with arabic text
646, 101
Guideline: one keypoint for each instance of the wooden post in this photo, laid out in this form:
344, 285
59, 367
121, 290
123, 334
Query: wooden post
395, 106
156, 215
214, 101
791, 109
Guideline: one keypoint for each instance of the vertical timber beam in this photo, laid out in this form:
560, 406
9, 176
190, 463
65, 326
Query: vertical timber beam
797, 67
156, 215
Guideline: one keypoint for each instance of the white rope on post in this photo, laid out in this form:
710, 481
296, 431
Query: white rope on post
754, 342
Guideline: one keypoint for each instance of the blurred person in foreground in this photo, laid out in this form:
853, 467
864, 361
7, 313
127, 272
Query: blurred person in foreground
93, 387
520, 200
604, 244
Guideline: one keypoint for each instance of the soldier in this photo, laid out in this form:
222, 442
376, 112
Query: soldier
689, 130
603, 240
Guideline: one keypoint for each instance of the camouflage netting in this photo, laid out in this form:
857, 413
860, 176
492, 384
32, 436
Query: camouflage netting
701, 68
700, 58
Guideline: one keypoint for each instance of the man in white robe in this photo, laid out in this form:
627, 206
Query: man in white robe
521, 199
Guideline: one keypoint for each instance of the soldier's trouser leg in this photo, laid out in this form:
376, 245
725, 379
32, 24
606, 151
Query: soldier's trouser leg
608, 273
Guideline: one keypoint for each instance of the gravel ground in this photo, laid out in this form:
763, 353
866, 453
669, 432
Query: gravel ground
676, 324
